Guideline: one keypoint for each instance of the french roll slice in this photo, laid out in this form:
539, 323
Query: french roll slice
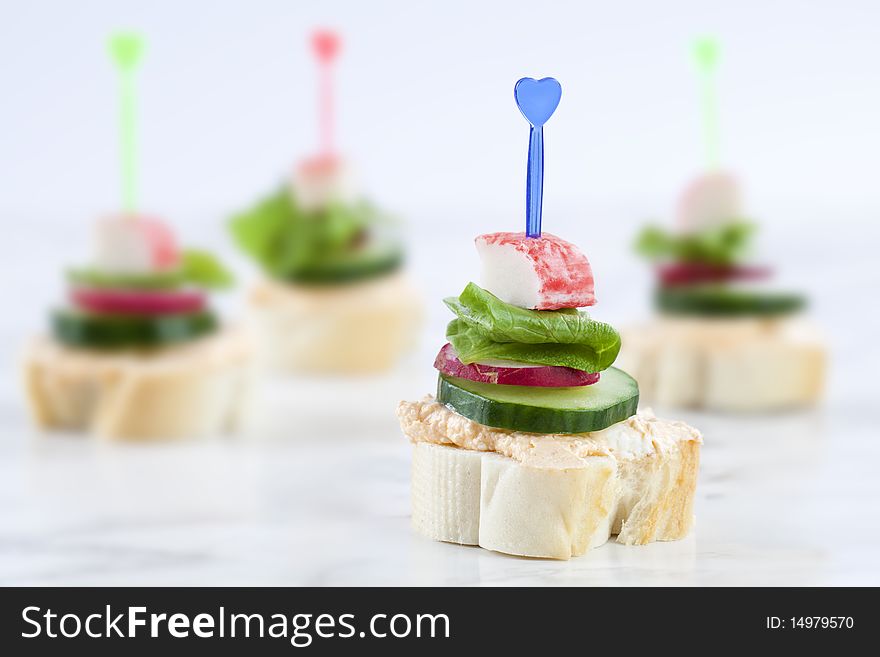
360, 327
735, 365
187, 390
549, 496
445, 491
546, 512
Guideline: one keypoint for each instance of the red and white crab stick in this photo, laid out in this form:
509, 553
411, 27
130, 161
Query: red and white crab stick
540, 273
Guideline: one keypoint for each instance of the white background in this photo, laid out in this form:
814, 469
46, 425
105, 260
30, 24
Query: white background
427, 116
227, 92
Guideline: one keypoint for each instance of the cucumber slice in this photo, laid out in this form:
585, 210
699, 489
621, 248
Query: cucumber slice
98, 331
93, 278
366, 263
716, 301
543, 410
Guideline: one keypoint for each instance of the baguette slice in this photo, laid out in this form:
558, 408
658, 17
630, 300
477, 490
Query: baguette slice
351, 328
545, 512
181, 391
445, 492
741, 365
549, 496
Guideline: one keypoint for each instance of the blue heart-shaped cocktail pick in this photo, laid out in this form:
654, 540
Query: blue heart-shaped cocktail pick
537, 100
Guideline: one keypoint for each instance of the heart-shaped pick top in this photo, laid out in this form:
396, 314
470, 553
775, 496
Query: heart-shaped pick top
326, 44
126, 49
537, 99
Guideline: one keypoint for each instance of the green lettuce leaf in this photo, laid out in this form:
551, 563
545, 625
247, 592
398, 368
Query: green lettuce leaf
197, 268
723, 245
95, 278
204, 270
261, 231
288, 241
489, 328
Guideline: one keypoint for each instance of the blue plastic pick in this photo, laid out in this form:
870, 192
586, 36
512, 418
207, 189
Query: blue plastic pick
537, 100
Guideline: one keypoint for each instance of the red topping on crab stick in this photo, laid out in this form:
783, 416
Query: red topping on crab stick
544, 273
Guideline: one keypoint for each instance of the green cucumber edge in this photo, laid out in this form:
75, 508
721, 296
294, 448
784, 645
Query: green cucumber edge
76, 328
720, 302
350, 268
533, 419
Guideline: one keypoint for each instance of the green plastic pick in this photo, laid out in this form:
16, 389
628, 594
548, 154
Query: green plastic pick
706, 52
126, 50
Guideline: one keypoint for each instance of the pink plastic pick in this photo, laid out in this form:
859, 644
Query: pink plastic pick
326, 45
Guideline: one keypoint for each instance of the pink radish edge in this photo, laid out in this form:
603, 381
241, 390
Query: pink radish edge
687, 273
137, 302
542, 376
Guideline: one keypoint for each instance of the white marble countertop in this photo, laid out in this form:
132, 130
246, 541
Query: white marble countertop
782, 500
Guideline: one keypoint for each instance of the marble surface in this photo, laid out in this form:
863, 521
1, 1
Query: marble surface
782, 500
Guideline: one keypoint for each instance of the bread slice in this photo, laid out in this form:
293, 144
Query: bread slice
545, 512
187, 390
550, 496
445, 493
350, 328
741, 365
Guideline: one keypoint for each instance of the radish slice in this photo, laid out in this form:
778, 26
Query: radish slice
686, 273
131, 302
544, 273
540, 376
